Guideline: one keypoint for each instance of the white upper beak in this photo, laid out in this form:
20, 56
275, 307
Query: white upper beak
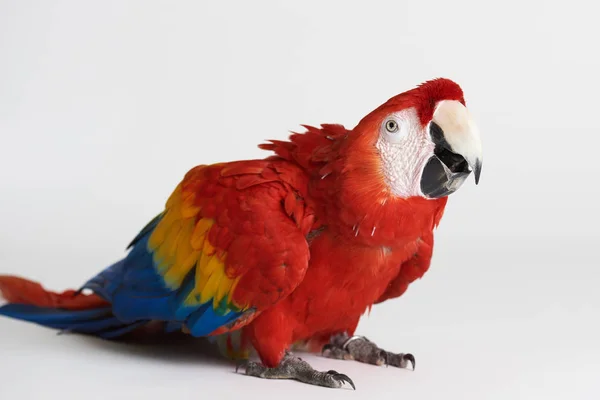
460, 132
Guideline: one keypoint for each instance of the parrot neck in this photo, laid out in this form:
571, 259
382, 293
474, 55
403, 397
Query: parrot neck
348, 193
384, 220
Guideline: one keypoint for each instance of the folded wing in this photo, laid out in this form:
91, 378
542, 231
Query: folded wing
229, 244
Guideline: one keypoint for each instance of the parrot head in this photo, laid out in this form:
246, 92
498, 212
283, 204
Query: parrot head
422, 142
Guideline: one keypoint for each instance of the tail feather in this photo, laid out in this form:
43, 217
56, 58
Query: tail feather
23, 291
68, 311
120, 331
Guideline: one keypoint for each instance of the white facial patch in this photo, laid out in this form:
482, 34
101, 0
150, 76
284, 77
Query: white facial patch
405, 148
2, 299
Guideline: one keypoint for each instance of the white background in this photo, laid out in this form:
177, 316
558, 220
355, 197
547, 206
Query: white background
104, 105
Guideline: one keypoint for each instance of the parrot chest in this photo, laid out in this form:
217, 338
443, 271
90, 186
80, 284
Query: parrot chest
341, 283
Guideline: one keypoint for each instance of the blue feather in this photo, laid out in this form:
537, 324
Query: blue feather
205, 320
80, 321
137, 293
119, 331
50, 315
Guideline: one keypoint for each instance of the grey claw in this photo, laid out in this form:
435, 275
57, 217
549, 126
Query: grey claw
240, 363
328, 346
410, 358
341, 378
386, 360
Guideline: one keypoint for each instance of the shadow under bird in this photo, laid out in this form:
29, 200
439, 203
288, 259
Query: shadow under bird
289, 251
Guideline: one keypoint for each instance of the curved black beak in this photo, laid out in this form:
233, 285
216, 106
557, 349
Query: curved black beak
477, 171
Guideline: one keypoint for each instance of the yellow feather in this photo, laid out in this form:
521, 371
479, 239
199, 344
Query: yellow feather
187, 195
243, 307
199, 233
213, 265
208, 265
160, 231
197, 242
177, 273
201, 274
202, 268
210, 289
184, 246
192, 259
165, 253
175, 212
194, 296
189, 210
208, 248
175, 242
184, 256
203, 262
192, 300
222, 290
175, 197
159, 260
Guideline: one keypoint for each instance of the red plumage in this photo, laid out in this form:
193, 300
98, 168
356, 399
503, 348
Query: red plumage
372, 244
18, 290
314, 233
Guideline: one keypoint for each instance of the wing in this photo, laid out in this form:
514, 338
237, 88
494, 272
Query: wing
229, 244
411, 270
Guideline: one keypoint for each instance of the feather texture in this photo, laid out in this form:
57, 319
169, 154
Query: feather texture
191, 265
264, 253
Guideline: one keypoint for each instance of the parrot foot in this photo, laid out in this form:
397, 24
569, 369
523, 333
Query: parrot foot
292, 367
359, 348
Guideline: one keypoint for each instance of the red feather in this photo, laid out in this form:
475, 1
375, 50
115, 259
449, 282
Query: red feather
312, 232
23, 291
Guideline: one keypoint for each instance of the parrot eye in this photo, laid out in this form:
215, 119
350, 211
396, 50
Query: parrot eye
391, 126
394, 128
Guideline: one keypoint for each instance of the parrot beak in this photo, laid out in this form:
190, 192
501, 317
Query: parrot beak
457, 150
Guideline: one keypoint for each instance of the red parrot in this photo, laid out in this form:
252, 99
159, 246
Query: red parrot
288, 250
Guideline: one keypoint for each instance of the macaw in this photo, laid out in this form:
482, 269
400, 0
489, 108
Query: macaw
286, 252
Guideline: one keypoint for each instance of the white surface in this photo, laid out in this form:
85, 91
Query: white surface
105, 105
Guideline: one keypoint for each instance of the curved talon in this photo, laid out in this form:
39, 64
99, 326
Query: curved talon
240, 363
410, 358
341, 378
363, 350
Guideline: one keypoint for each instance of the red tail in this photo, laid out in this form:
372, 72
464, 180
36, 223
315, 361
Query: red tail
22, 291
